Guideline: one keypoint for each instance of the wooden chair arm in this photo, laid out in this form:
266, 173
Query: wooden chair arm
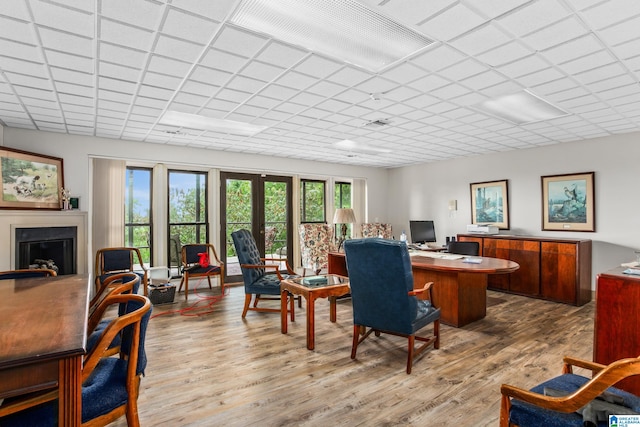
265, 266
425, 288
279, 260
570, 362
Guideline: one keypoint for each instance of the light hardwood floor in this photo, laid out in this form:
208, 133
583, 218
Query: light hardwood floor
221, 370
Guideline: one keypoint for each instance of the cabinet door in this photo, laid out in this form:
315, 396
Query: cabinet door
497, 248
525, 280
559, 272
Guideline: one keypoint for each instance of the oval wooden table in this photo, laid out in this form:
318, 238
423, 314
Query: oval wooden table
460, 288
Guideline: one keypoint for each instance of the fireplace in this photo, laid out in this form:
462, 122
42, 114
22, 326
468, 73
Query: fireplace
47, 247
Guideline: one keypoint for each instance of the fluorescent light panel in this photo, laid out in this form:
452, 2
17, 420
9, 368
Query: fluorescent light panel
194, 121
345, 29
521, 108
357, 147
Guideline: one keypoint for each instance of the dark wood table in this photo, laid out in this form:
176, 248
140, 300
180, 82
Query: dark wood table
43, 339
460, 288
312, 288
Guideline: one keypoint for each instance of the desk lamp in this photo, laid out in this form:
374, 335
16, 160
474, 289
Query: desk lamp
343, 216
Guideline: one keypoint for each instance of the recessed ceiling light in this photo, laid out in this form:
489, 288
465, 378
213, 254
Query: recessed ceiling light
358, 147
521, 108
194, 121
346, 29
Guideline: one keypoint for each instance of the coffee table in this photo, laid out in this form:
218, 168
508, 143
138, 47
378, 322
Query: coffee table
311, 288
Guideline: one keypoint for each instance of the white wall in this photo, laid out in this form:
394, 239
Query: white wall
427, 188
77, 152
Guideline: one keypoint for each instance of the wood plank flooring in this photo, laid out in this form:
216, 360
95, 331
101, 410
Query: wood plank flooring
221, 370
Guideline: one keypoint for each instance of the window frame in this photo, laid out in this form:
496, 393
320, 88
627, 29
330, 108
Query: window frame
303, 201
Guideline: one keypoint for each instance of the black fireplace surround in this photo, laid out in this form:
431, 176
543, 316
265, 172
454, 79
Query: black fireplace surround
55, 246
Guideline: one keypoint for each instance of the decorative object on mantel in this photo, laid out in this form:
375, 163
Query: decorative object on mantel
64, 196
568, 202
30, 180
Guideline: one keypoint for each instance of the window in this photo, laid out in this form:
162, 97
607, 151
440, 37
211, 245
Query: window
342, 199
188, 206
137, 211
313, 201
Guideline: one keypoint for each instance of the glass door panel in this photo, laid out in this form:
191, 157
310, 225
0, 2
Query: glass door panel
260, 204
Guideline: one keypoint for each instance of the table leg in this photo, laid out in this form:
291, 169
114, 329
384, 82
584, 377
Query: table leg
70, 392
332, 309
283, 311
310, 322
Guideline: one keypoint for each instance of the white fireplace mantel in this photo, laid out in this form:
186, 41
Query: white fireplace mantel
12, 219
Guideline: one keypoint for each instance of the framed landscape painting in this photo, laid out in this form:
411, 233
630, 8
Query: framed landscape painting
29, 180
568, 202
490, 203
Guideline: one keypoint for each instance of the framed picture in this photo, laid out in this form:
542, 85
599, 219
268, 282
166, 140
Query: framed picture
29, 180
490, 203
568, 202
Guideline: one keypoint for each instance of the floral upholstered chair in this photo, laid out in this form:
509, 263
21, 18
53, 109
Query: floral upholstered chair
375, 229
316, 241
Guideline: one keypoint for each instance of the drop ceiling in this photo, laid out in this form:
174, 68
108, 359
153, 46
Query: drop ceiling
112, 68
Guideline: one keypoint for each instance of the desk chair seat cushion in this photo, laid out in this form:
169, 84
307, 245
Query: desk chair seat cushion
196, 270
269, 284
527, 415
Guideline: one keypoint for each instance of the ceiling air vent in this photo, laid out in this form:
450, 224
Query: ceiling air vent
378, 123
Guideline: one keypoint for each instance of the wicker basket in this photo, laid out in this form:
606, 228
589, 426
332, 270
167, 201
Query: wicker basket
162, 294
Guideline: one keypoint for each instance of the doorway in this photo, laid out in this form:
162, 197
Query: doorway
262, 205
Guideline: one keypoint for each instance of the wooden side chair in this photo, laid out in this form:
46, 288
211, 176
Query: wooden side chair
26, 273
191, 265
110, 261
383, 297
257, 282
571, 399
110, 385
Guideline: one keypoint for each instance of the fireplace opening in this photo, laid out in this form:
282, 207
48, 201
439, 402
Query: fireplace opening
47, 247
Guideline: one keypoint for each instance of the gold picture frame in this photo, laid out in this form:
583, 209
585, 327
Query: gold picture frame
490, 203
568, 202
30, 180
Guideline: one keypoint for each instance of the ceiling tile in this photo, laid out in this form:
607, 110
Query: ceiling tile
173, 48
64, 19
484, 38
188, 27
555, 34
533, 16
504, 54
440, 26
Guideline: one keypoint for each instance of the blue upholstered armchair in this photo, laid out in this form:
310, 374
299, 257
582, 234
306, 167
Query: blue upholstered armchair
110, 385
110, 261
383, 297
572, 400
254, 274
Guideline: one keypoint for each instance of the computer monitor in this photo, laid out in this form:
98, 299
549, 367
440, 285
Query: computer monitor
422, 231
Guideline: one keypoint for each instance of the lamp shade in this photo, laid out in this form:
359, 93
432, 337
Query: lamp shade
344, 216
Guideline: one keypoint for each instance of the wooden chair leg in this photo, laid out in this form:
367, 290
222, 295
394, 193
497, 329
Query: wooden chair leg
292, 307
412, 342
436, 333
209, 280
356, 340
247, 301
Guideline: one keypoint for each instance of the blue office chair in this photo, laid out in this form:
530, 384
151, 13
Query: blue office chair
257, 282
572, 400
110, 385
110, 261
383, 297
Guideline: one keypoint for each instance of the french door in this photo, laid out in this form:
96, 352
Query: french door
262, 205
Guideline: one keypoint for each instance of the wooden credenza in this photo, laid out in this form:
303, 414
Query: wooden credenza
553, 269
617, 317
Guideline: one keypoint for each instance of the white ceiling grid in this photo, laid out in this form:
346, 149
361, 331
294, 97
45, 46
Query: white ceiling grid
111, 68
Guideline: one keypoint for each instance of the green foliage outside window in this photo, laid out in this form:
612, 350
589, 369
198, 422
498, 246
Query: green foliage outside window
313, 201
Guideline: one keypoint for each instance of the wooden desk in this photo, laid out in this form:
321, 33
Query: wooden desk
336, 286
43, 339
460, 288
